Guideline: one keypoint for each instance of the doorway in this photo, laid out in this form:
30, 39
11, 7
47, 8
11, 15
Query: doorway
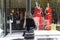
13, 10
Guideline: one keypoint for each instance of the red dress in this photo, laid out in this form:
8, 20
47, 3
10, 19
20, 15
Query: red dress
37, 13
48, 18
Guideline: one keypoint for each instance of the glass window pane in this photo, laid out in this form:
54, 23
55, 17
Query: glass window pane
54, 5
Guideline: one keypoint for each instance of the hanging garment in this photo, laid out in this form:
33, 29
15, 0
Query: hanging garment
48, 18
37, 13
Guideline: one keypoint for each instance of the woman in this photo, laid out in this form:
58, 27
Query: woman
27, 22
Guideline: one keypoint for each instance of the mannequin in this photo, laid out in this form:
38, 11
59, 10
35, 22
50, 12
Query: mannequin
48, 12
38, 16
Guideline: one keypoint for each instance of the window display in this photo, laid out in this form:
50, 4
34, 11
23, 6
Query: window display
49, 11
46, 14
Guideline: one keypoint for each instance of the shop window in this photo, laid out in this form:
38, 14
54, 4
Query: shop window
54, 5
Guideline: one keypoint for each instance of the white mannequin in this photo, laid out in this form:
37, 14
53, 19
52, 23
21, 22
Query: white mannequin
47, 6
36, 5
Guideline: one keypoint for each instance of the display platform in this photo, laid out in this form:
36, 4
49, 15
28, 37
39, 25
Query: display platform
45, 34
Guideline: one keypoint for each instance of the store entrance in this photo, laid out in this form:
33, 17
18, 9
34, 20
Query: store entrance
16, 15
15, 10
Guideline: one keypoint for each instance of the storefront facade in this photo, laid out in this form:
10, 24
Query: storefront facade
27, 5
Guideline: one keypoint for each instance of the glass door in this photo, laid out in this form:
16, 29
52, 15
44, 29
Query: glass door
15, 10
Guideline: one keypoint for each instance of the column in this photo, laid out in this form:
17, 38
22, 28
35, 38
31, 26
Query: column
3, 16
28, 6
